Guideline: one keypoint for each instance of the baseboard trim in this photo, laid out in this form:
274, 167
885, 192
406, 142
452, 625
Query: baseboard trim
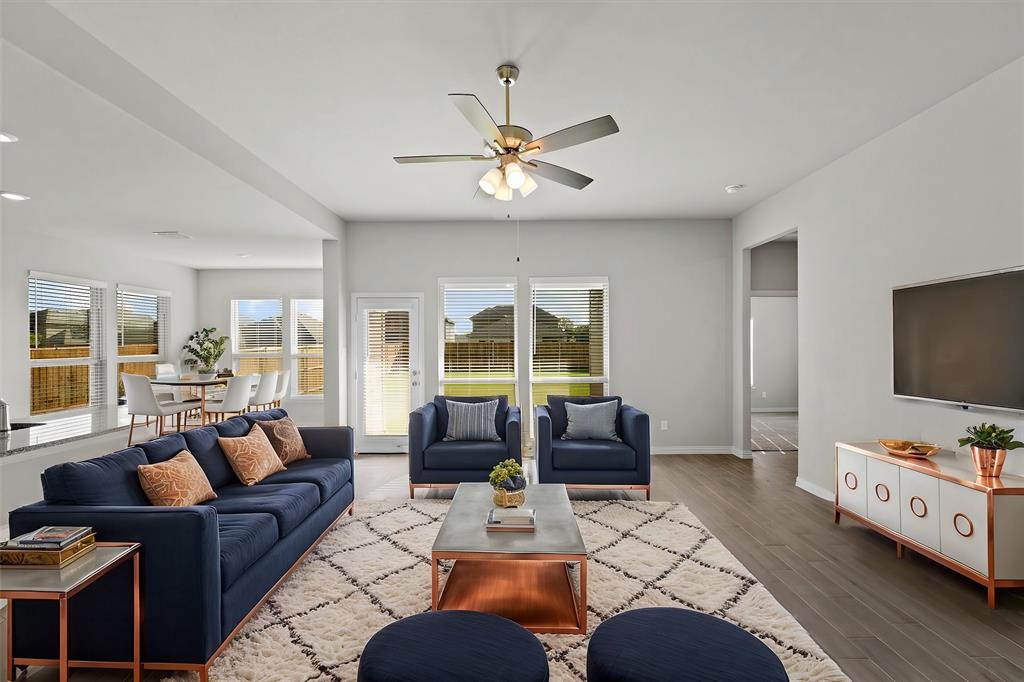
741, 453
793, 410
815, 489
692, 450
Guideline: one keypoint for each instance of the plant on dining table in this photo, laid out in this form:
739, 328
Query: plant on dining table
205, 348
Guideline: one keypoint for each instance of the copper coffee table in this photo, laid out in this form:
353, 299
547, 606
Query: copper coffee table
526, 577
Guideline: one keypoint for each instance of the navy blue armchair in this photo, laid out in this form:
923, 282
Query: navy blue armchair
436, 463
594, 463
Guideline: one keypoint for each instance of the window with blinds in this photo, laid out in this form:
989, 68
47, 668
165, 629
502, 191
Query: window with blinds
569, 351
478, 339
65, 338
308, 346
386, 378
257, 339
141, 326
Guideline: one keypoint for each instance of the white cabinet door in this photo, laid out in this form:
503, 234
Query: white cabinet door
883, 493
919, 507
850, 481
964, 526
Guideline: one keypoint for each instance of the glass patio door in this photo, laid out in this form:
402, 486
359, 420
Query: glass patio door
388, 380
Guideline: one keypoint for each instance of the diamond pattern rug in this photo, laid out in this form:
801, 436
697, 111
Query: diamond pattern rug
374, 568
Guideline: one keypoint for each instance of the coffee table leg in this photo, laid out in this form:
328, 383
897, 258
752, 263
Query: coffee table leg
583, 596
63, 639
137, 621
433, 584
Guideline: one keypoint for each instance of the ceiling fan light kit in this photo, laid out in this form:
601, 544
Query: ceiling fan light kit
510, 144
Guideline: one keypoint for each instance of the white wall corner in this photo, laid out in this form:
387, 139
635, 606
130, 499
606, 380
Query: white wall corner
815, 489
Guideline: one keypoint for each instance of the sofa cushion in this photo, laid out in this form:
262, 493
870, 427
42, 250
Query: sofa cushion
286, 439
177, 482
251, 456
500, 415
202, 443
591, 422
464, 454
471, 421
235, 427
244, 538
163, 448
559, 421
107, 480
264, 415
329, 474
592, 455
290, 503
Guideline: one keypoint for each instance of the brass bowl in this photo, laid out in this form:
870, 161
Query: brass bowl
909, 448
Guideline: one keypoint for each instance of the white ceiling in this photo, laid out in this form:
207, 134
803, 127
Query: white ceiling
706, 94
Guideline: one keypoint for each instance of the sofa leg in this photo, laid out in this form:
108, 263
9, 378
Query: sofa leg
204, 674
412, 492
648, 491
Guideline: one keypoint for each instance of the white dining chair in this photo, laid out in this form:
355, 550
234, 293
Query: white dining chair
235, 400
142, 402
282, 387
265, 391
165, 370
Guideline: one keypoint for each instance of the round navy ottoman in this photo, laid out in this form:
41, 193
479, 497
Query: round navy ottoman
677, 645
455, 646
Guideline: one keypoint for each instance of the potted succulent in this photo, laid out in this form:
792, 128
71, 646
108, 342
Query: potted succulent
205, 349
509, 483
989, 444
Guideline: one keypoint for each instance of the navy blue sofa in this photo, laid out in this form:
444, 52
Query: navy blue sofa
594, 463
436, 463
205, 567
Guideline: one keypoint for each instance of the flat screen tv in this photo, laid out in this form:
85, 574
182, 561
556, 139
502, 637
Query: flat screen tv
961, 340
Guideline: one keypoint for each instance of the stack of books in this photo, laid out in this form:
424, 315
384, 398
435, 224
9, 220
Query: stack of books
48, 547
514, 519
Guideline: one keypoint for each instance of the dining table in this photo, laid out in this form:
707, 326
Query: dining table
193, 382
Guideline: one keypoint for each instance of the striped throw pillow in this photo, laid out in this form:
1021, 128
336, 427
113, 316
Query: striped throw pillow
471, 421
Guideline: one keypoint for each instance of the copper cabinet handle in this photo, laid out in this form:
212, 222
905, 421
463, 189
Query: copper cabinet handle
879, 494
846, 480
914, 511
970, 525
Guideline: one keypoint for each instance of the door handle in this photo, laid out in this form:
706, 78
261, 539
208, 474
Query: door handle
415, 383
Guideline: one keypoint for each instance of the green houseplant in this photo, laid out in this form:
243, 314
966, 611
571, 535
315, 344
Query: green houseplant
989, 444
509, 483
206, 350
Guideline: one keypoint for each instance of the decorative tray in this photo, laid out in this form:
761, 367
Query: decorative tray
31, 557
909, 448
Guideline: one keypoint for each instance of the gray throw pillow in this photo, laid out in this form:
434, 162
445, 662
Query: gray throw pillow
471, 421
591, 422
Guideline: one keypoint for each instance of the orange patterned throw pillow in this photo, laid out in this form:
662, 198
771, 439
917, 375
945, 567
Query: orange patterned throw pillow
178, 482
252, 457
286, 439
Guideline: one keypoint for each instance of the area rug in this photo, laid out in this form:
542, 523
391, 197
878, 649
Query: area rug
374, 568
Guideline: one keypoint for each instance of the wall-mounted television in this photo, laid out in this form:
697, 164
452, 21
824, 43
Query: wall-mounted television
961, 340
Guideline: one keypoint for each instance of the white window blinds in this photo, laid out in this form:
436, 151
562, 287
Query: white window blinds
141, 323
66, 347
257, 339
386, 377
478, 339
308, 345
569, 353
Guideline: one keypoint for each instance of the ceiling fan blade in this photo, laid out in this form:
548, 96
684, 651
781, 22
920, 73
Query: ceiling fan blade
441, 157
479, 118
577, 134
560, 175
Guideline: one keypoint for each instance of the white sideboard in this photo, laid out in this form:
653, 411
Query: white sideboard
939, 508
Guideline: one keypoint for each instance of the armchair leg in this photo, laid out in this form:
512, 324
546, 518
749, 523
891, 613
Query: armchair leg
412, 492
648, 492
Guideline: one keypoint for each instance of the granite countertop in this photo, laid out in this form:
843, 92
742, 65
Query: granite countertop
56, 431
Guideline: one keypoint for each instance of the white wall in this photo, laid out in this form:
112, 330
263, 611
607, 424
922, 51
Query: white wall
775, 353
669, 294
939, 195
22, 251
218, 287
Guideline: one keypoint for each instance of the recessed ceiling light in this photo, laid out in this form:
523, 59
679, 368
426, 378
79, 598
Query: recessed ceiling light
733, 189
243, 255
14, 196
7, 137
171, 234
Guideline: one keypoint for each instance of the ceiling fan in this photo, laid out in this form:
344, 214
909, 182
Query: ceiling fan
513, 146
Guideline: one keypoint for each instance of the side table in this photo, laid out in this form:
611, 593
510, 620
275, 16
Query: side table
62, 584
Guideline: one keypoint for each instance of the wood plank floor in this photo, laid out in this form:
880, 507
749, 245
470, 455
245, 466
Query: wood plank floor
879, 617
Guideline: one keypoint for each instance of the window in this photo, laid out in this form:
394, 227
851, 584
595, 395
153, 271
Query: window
256, 337
141, 326
65, 338
569, 326
308, 345
477, 334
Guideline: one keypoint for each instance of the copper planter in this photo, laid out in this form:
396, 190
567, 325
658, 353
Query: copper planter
987, 462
